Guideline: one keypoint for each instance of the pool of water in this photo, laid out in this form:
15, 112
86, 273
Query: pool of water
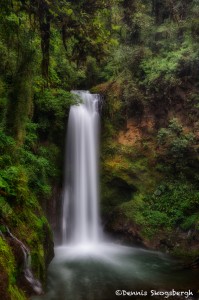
110, 271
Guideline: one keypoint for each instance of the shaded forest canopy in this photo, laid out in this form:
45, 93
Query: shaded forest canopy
143, 57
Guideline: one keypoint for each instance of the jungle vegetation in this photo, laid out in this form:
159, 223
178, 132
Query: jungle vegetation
143, 57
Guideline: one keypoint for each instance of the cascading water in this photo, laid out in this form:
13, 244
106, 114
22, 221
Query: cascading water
86, 267
80, 222
34, 283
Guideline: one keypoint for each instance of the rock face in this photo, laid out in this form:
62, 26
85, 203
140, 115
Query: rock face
134, 130
4, 284
53, 210
176, 242
149, 166
25, 251
16, 274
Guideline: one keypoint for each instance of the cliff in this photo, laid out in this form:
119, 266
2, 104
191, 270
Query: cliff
149, 171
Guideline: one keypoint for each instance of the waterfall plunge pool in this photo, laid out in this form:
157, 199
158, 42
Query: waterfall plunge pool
97, 271
86, 268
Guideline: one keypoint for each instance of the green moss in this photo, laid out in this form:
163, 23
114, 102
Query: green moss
151, 182
7, 260
181, 252
8, 267
16, 294
29, 225
26, 172
172, 204
125, 168
34, 234
38, 259
157, 199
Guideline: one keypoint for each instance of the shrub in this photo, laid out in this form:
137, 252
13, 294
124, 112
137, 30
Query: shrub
176, 146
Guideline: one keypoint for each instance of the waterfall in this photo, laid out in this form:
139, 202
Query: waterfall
80, 221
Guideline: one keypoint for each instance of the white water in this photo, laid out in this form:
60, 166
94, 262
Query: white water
85, 267
80, 221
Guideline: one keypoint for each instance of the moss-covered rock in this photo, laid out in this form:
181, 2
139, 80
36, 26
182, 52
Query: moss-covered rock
8, 274
28, 224
149, 184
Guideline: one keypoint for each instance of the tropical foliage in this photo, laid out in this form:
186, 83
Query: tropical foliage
142, 56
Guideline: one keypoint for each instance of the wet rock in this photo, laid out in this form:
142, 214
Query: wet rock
48, 246
26, 279
193, 265
17, 251
28, 287
4, 285
124, 232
